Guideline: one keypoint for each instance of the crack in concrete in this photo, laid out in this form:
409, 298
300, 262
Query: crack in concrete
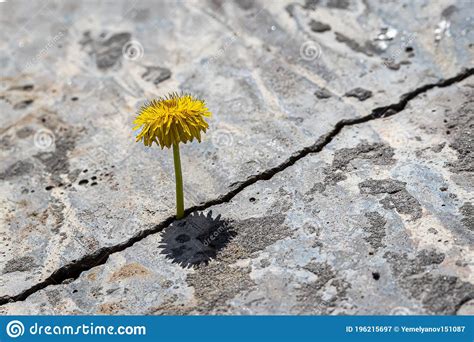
100, 257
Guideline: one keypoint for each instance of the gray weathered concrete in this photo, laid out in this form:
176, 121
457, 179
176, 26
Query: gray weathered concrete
278, 76
378, 222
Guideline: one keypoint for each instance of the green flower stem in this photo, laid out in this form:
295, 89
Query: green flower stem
179, 183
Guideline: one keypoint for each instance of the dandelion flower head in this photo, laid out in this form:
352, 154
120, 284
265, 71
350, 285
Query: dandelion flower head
171, 120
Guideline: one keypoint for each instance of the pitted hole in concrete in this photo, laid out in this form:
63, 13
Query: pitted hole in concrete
376, 275
26, 87
49, 188
252, 199
83, 181
23, 104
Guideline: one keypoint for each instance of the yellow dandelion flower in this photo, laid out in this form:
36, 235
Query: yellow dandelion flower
171, 120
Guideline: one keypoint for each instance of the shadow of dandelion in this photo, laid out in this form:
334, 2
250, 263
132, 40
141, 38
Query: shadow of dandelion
196, 239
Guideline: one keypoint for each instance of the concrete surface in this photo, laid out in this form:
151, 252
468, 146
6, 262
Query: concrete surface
310, 203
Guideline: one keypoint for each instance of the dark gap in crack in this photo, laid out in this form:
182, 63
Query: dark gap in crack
100, 257
461, 303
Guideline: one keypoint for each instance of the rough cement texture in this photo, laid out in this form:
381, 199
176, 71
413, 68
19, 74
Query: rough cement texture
286, 246
378, 219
